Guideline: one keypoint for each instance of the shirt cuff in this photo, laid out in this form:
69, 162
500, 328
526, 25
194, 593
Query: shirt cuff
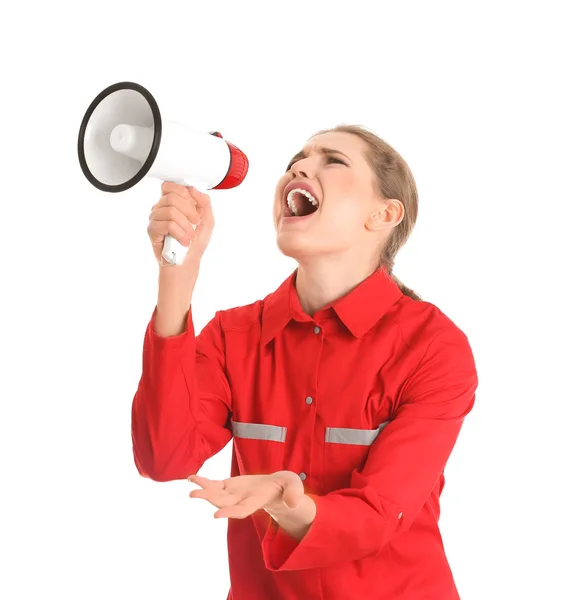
282, 552
180, 342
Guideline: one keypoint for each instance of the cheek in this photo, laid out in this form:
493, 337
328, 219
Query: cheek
351, 199
344, 221
347, 209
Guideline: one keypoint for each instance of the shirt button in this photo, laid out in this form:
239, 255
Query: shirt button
309, 400
316, 329
400, 515
303, 476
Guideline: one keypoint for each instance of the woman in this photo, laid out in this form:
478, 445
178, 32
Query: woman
343, 391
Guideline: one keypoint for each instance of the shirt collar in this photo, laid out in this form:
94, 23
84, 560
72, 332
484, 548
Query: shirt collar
358, 310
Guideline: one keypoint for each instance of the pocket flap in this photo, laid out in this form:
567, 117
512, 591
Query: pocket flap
359, 437
259, 431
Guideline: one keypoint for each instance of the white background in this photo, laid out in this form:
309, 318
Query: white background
476, 98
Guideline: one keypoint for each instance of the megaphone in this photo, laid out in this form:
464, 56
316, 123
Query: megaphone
123, 138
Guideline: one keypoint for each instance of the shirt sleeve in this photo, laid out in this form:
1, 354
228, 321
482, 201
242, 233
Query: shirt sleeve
181, 409
401, 470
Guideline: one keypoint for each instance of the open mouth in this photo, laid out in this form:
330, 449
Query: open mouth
300, 203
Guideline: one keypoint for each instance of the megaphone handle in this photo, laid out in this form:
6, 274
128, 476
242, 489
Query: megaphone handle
174, 252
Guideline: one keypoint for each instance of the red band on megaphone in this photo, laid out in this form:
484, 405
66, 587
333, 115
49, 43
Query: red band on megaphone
238, 166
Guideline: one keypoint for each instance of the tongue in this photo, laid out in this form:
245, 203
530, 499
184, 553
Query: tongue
303, 204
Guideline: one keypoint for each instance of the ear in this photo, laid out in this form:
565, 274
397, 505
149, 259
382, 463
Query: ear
386, 215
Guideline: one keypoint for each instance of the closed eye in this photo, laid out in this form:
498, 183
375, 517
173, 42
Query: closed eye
329, 159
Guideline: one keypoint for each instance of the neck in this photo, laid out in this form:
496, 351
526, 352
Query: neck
323, 281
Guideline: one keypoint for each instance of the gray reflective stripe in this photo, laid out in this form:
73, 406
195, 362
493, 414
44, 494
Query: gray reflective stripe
258, 431
360, 437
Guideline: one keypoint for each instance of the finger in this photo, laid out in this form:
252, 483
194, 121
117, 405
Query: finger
206, 483
218, 499
203, 203
172, 213
211, 496
202, 198
167, 214
169, 187
157, 231
292, 494
203, 494
293, 491
172, 206
242, 509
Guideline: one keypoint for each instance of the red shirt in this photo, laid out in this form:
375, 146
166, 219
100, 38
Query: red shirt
364, 400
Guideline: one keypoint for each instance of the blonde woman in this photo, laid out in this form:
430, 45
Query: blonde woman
343, 391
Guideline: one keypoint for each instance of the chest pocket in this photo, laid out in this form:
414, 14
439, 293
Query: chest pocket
259, 448
345, 450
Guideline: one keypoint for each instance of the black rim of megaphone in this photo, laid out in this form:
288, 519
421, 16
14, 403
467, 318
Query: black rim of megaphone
124, 85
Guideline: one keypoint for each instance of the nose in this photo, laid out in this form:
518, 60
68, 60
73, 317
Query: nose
299, 172
303, 168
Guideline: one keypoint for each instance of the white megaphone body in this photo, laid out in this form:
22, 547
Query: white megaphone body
123, 139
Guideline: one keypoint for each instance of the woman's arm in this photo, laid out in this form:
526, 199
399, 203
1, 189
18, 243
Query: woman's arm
295, 521
401, 470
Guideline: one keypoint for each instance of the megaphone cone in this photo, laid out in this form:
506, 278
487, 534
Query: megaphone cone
123, 138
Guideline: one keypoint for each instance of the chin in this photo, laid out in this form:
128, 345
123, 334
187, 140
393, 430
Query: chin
299, 247
290, 246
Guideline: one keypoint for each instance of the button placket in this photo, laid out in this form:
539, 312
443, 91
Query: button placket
309, 399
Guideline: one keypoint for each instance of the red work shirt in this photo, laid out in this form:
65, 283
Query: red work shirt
364, 401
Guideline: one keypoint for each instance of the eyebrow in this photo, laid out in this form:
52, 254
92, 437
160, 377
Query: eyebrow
302, 154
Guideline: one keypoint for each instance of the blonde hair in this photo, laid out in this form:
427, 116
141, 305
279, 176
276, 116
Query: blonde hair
394, 179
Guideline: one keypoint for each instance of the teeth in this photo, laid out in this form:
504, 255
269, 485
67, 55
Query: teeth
291, 201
